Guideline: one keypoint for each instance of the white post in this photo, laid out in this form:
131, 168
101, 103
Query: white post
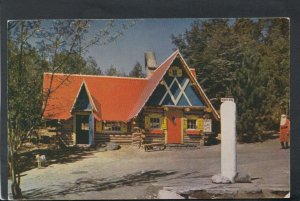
228, 141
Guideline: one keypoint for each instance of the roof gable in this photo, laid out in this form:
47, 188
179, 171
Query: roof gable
83, 100
157, 77
175, 88
199, 88
114, 98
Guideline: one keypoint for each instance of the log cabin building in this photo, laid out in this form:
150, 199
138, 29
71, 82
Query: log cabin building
169, 105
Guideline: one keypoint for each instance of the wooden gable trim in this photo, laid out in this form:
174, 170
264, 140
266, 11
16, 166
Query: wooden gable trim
163, 74
83, 84
90, 97
199, 88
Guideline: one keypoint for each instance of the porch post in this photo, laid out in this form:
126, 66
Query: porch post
74, 129
91, 130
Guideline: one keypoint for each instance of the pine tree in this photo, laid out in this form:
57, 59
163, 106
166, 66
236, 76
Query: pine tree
247, 59
137, 71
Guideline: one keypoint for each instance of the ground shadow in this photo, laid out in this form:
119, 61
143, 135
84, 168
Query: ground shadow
27, 160
95, 184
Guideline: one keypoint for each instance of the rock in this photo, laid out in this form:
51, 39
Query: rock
287, 195
164, 194
242, 177
102, 149
112, 146
219, 179
252, 190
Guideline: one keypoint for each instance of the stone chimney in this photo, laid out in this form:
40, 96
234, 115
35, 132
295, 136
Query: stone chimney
150, 62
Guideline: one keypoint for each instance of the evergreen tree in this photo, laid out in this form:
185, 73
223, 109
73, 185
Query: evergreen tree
247, 59
137, 71
112, 71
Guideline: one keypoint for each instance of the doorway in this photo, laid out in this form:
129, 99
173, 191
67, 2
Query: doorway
174, 135
82, 129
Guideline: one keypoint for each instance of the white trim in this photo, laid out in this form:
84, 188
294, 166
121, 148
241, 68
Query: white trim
139, 110
199, 86
89, 96
76, 97
100, 76
182, 91
168, 92
182, 88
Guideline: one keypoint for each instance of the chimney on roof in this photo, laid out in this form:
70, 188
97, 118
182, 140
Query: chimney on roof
150, 62
193, 70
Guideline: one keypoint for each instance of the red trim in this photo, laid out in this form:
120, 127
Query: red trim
193, 70
192, 132
156, 131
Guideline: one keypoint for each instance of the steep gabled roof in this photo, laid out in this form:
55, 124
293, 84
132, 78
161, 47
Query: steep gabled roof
114, 98
90, 98
153, 81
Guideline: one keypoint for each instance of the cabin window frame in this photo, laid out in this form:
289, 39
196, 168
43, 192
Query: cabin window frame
192, 124
113, 127
155, 123
85, 126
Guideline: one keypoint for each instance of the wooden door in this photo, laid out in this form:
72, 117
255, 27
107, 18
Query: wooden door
174, 135
82, 129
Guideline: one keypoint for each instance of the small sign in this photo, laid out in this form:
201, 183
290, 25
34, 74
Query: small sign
227, 99
207, 125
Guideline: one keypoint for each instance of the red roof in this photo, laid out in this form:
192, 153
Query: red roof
115, 98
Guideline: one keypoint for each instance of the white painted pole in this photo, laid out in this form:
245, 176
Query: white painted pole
228, 140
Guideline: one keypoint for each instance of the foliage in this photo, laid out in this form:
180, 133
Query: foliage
247, 59
35, 48
137, 71
113, 71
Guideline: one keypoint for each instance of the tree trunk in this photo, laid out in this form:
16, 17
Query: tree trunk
15, 176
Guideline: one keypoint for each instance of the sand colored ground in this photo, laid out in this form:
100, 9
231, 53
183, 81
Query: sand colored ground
131, 173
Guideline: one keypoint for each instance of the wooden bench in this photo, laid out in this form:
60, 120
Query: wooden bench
154, 146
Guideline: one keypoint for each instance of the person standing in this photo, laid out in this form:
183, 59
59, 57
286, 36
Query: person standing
284, 132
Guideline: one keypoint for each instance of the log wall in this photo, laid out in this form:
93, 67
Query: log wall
154, 138
120, 138
192, 139
67, 130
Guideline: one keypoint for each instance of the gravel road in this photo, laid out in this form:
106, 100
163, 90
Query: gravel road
131, 173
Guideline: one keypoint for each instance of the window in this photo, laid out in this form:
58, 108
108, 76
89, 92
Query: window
174, 72
191, 124
154, 123
85, 126
112, 126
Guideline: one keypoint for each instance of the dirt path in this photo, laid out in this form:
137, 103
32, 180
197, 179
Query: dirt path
131, 173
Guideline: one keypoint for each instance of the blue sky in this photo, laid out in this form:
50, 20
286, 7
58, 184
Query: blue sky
145, 35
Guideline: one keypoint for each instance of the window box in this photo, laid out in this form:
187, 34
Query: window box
156, 131
193, 132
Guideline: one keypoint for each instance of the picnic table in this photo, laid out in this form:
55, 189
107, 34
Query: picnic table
154, 146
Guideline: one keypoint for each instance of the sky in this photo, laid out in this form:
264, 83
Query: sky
128, 49
146, 35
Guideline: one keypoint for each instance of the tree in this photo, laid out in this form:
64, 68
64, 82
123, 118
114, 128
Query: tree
137, 71
92, 67
22, 81
244, 58
33, 49
112, 71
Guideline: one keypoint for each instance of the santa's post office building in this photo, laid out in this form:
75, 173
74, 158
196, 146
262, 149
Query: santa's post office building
168, 106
